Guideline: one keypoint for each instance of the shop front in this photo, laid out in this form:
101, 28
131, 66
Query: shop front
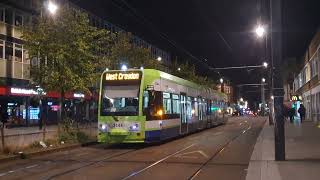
22, 110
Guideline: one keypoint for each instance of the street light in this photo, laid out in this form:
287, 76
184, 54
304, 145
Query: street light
260, 31
124, 67
52, 7
241, 99
263, 80
159, 58
265, 64
179, 69
221, 80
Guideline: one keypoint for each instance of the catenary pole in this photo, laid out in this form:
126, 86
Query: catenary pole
278, 92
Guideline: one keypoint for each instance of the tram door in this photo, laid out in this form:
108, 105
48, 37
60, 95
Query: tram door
183, 115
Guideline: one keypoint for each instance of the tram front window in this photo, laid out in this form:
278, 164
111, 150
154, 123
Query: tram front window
120, 100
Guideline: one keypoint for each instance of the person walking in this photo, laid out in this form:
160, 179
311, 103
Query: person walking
302, 112
291, 113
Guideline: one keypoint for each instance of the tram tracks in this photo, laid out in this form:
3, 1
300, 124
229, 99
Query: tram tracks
90, 164
195, 174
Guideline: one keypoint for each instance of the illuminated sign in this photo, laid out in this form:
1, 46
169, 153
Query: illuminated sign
23, 91
296, 98
78, 95
27, 91
122, 76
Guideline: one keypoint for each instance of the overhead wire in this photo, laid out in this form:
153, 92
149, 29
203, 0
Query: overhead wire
164, 36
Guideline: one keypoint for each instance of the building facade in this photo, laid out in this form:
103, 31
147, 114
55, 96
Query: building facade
227, 88
306, 86
16, 94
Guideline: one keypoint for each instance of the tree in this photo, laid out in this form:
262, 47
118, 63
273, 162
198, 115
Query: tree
67, 51
124, 51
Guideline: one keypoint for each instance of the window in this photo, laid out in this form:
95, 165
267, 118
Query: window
145, 99
18, 20
189, 107
1, 49
1, 14
8, 16
167, 103
195, 107
26, 58
175, 104
18, 52
120, 100
9, 51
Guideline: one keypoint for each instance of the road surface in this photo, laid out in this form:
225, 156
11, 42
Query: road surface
219, 153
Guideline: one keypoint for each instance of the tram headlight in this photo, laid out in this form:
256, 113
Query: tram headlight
134, 127
104, 127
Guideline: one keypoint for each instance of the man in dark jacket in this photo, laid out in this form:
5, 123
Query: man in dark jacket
291, 113
302, 112
4, 115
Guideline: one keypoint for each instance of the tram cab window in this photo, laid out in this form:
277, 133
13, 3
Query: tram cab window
175, 104
167, 105
120, 100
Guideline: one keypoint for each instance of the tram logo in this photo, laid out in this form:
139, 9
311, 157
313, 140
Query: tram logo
122, 76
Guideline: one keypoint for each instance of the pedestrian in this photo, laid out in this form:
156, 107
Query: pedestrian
40, 120
291, 113
4, 117
302, 112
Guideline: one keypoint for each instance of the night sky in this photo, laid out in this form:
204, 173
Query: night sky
222, 32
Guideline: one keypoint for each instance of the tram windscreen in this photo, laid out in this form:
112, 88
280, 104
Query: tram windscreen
120, 100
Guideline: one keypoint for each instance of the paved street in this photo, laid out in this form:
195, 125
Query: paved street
222, 153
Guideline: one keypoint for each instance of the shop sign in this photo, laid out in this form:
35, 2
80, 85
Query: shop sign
23, 91
296, 98
78, 95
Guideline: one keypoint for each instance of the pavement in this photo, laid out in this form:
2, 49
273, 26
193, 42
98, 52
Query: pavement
35, 129
220, 153
302, 142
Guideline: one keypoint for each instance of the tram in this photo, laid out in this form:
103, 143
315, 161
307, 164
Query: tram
143, 106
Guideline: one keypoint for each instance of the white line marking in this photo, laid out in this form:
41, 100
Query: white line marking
187, 154
19, 169
32, 166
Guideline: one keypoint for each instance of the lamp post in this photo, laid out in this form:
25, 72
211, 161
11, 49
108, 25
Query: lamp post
52, 8
278, 92
263, 80
221, 85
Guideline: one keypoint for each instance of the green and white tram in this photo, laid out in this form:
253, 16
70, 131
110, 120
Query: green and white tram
137, 106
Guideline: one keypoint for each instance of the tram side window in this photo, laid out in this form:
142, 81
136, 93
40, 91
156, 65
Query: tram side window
208, 107
175, 104
145, 99
189, 107
153, 105
167, 103
195, 106
204, 107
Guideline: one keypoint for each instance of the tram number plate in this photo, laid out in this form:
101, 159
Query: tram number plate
118, 125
